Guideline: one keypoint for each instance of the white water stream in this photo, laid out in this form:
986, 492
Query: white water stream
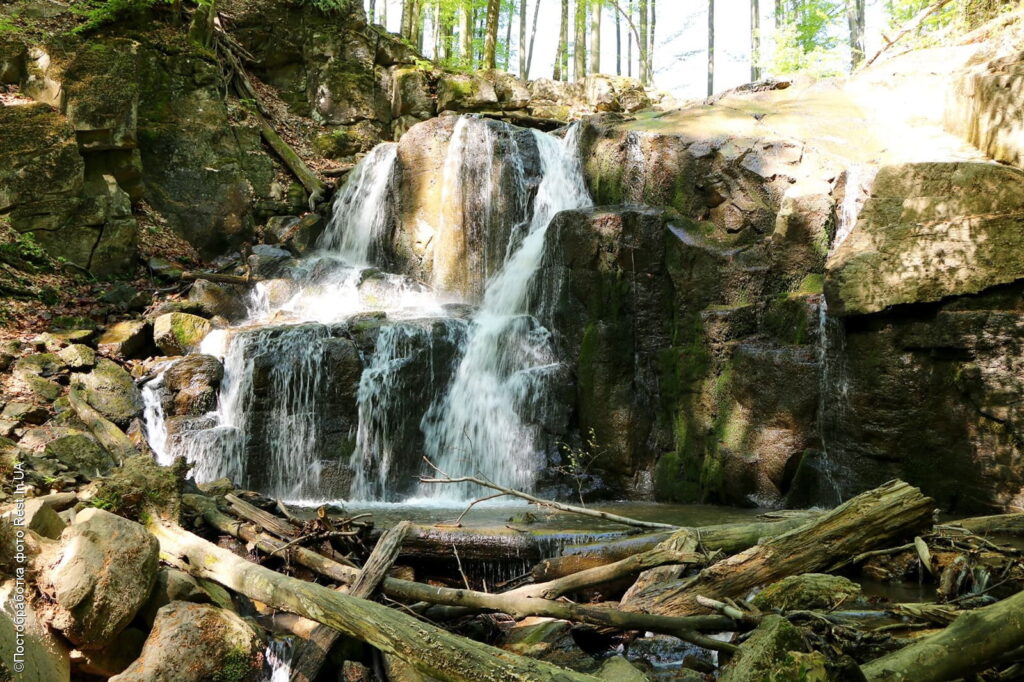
274, 378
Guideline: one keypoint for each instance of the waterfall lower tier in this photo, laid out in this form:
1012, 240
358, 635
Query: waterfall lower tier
343, 376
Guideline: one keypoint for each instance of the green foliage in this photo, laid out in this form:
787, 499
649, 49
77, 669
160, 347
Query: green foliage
23, 247
805, 49
7, 26
327, 5
579, 461
101, 12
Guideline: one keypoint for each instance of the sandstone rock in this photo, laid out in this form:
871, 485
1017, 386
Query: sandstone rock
195, 643
111, 390
411, 95
195, 381
179, 333
929, 231
46, 655
98, 577
41, 517
127, 339
465, 92
983, 105
807, 591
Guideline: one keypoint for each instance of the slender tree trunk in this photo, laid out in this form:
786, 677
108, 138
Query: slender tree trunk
384, 14
506, 57
618, 44
561, 56
595, 36
855, 19
755, 40
780, 14
533, 38
417, 25
579, 45
406, 30
629, 46
466, 35
522, 38
371, 11
643, 45
650, 46
202, 27
711, 47
491, 36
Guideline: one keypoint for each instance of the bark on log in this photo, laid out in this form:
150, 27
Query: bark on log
311, 654
265, 520
999, 524
877, 517
428, 648
729, 538
970, 644
516, 605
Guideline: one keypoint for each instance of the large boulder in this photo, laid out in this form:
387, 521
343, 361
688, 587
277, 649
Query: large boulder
45, 655
197, 643
930, 231
194, 382
97, 577
126, 339
465, 92
110, 389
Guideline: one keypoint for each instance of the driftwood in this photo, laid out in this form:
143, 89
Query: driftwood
244, 280
873, 518
519, 605
311, 654
265, 520
728, 538
972, 642
429, 649
560, 506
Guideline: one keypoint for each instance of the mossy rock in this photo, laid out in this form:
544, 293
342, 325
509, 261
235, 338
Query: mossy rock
110, 389
140, 486
81, 454
766, 653
179, 333
807, 591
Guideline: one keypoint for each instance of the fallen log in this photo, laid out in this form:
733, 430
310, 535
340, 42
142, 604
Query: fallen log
728, 538
426, 647
244, 280
265, 520
310, 656
998, 524
973, 641
873, 518
517, 605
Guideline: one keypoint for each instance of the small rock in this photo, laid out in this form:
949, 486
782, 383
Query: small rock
126, 297
68, 323
97, 578
217, 300
218, 488
41, 517
195, 380
45, 654
78, 356
125, 340
270, 251
197, 643
172, 585
179, 333
111, 390
44, 388
618, 669
164, 269
39, 365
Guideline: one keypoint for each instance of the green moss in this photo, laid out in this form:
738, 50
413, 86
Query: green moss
237, 666
787, 319
813, 283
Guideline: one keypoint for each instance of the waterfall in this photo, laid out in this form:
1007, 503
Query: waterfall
154, 419
834, 382
278, 660
359, 218
475, 428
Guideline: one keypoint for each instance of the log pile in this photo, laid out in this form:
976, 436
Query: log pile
685, 583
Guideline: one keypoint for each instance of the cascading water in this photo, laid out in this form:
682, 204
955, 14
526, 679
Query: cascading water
834, 380
476, 428
278, 660
464, 393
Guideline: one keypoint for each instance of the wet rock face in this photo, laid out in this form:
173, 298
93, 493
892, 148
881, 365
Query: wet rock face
461, 192
934, 379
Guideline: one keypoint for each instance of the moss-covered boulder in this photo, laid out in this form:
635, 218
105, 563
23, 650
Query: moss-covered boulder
465, 92
197, 643
194, 382
81, 454
110, 389
930, 231
179, 333
126, 339
766, 654
140, 486
807, 591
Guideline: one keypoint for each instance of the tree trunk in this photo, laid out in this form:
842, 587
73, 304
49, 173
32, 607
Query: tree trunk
561, 56
595, 36
579, 45
618, 44
629, 45
506, 57
533, 39
202, 28
711, 47
642, 42
970, 644
872, 519
406, 28
522, 39
855, 20
728, 538
491, 36
371, 12
909, 27
427, 648
755, 40
466, 35
999, 524
650, 46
